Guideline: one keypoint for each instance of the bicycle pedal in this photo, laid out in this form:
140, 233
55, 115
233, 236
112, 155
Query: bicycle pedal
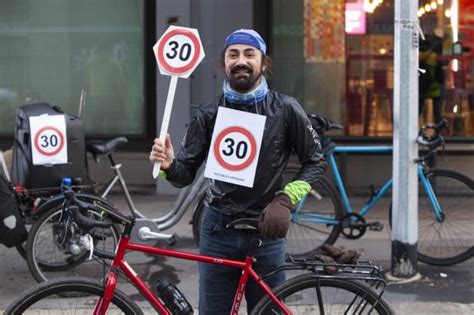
173, 239
375, 226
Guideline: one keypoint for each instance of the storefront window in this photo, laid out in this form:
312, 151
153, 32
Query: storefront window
346, 73
53, 50
308, 53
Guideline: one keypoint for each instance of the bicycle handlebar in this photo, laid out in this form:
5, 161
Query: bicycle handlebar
89, 223
86, 222
321, 124
70, 197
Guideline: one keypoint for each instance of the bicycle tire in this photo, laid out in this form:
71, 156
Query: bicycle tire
304, 236
313, 294
49, 258
450, 241
65, 295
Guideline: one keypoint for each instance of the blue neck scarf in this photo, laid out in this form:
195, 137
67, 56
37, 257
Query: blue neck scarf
250, 98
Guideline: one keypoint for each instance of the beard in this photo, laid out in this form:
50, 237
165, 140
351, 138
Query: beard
243, 79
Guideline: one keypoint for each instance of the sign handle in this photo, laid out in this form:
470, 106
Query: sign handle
166, 119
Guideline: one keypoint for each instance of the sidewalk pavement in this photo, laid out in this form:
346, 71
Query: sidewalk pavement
441, 290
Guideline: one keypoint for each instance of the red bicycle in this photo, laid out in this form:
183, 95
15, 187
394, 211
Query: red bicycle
346, 289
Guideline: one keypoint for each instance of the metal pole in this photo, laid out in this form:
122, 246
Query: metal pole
405, 149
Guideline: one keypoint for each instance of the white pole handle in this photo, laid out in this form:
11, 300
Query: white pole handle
166, 119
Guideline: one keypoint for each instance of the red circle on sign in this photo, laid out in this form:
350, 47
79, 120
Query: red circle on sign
161, 51
253, 148
40, 149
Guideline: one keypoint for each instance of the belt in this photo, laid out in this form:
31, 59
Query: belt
229, 217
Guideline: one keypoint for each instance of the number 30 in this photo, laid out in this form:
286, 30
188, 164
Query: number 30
241, 150
184, 51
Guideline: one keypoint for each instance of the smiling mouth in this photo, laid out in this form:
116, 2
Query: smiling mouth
241, 73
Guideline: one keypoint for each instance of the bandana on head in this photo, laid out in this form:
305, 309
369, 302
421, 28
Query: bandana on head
246, 37
250, 98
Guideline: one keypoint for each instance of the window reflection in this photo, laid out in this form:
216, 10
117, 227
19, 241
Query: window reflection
51, 50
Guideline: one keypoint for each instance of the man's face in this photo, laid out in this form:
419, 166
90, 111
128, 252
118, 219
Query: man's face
243, 67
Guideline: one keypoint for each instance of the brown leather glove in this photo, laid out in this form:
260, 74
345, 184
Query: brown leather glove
275, 218
341, 255
331, 256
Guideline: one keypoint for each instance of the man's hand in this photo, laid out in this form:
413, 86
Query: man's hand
275, 218
163, 154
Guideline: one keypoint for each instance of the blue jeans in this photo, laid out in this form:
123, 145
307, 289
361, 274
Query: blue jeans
217, 283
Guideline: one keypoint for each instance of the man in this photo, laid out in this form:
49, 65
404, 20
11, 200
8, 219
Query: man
286, 127
431, 82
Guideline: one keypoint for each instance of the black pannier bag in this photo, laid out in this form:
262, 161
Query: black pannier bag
47, 176
12, 228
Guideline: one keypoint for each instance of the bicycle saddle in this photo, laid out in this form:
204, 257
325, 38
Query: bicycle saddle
99, 147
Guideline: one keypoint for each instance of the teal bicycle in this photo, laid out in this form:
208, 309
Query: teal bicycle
445, 206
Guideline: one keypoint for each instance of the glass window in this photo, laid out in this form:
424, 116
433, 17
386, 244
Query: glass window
308, 53
52, 50
336, 58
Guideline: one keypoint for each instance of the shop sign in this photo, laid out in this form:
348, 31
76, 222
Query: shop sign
466, 12
355, 19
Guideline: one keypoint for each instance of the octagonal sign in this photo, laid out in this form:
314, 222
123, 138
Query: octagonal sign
179, 51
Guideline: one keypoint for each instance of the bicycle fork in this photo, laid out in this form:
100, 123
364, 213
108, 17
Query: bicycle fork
431, 194
104, 301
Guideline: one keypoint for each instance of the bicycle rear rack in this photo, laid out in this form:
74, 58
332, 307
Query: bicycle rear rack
363, 268
364, 271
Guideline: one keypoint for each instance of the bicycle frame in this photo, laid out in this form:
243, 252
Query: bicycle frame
125, 245
185, 198
325, 219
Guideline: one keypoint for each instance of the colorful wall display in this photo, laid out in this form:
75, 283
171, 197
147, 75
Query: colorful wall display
324, 30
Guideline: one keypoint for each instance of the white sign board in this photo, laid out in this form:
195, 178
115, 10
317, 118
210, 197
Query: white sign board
179, 51
235, 147
48, 139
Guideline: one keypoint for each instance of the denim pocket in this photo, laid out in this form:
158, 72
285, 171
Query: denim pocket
211, 222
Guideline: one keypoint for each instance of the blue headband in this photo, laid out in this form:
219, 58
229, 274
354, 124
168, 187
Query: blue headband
246, 37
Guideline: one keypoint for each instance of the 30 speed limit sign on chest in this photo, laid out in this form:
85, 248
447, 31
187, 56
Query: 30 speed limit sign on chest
48, 139
235, 148
178, 52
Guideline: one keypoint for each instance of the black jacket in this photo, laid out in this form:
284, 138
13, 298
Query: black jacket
287, 127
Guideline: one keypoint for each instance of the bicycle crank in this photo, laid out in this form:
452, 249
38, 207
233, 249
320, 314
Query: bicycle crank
354, 226
136, 236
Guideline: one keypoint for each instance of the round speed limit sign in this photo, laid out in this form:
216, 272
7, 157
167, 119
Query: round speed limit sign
49, 141
179, 51
235, 148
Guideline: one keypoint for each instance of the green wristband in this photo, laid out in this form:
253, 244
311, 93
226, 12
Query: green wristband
163, 175
296, 190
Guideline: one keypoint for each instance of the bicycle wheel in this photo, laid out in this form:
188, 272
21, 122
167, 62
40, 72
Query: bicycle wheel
55, 248
449, 240
197, 219
77, 296
311, 294
318, 221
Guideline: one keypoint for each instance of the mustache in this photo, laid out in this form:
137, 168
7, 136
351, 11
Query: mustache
235, 69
